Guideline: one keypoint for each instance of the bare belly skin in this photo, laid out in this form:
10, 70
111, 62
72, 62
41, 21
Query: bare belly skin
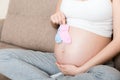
84, 46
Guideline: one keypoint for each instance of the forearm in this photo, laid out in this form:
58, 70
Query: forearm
104, 55
58, 5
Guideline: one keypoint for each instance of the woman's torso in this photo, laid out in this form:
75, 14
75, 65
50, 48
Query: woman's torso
85, 43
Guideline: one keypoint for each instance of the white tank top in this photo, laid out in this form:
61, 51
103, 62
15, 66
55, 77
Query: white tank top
92, 15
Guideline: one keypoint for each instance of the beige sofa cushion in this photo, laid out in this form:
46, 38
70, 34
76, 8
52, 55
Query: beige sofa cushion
2, 77
1, 25
117, 61
28, 24
6, 45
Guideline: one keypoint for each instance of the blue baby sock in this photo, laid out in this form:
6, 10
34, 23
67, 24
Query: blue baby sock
57, 38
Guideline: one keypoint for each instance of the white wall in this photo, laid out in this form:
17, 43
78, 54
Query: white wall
3, 8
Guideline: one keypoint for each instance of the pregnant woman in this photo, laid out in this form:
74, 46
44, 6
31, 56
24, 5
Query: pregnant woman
91, 25
90, 29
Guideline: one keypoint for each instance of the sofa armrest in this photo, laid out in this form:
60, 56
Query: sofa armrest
117, 62
1, 25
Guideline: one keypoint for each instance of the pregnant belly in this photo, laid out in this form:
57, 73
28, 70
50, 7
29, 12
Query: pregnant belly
84, 46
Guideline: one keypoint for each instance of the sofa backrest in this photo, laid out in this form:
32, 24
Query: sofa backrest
28, 24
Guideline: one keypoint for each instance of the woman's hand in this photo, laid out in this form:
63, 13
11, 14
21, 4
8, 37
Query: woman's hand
70, 69
58, 18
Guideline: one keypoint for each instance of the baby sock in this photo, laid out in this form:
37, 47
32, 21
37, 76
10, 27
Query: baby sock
57, 38
63, 34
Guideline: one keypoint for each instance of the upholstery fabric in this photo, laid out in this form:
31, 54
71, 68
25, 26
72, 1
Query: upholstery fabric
2, 77
117, 62
28, 24
1, 25
6, 45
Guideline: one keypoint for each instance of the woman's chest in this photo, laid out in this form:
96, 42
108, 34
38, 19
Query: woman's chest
88, 9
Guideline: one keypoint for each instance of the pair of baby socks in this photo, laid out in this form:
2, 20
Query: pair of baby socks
63, 34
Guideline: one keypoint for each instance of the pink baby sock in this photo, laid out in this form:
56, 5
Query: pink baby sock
63, 32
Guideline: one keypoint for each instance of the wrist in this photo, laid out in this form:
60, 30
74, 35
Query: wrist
58, 11
83, 68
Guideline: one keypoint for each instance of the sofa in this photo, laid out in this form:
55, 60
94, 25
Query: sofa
28, 26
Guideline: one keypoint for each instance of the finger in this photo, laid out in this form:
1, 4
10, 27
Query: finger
59, 19
62, 67
57, 64
56, 19
52, 19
